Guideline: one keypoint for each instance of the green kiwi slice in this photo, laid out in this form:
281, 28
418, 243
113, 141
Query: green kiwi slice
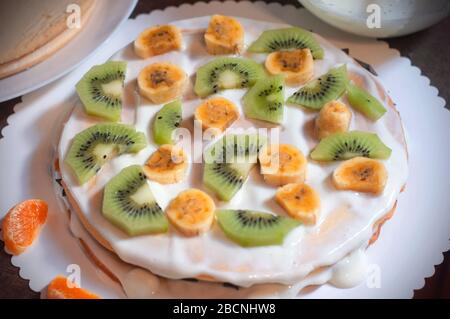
128, 203
365, 103
264, 101
101, 90
346, 145
286, 39
228, 163
94, 146
250, 228
226, 73
167, 120
327, 87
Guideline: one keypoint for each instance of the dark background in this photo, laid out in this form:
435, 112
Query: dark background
429, 50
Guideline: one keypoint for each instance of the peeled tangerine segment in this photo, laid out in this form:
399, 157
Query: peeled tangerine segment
250, 228
297, 66
334, 117
158, 40
361, 174
167, 165
161, 82
346, 145
364, 102
216, 113
225, 35
101, 89
226, 73
167, 120
329, 86
282, 164
129, 204
97, 144
300, 201
61, 288
191, 212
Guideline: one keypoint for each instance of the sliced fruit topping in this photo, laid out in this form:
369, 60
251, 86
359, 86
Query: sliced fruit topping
334, 117
224, 35
264, 101
158, 40
129, 204
286, 39
343, 146
167, 165
297, 66
327, 87
62, 288
101, 90
365, 103
282, 164
249, 228
361, 174
167, 120
161, 82
191, 212
300, 201
226, 73
216, 113
22, 225
94, 146
228, 163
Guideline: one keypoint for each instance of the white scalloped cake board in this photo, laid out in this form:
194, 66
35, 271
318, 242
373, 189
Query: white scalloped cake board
410, 244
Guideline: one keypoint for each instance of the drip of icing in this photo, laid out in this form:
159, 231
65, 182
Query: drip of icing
350, 271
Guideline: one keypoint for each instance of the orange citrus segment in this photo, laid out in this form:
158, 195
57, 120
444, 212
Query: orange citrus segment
60, 289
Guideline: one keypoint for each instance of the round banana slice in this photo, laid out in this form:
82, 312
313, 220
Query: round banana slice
191, 212
167, 165
225, 35
297, 66
161, 82
300, 201
158, 40
216, 113
334, 117
282, 164
361, 174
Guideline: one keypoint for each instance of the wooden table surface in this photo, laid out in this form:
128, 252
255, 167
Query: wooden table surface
429, 50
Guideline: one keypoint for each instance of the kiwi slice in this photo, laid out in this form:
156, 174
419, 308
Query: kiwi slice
97, 144
286, 39
128, 203
167, 120
101, 89
327, 87
226, 73
346, 145
365, 103
264, 101
250, 228
228, 163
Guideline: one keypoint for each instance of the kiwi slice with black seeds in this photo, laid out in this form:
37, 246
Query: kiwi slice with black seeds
226, 73
346, 145
101, 90
316, 93
287, 39
128, 203
250, 228
94, 146
364, 102
167, 120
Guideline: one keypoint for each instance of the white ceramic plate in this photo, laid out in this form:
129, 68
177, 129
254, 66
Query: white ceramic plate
105, 19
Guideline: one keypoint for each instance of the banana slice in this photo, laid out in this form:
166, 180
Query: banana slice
300, 201
282, 164
216, 113
191, 212
158, 40
167, 165
297, 66
361, 174
224, 35
161, 82
334, 117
